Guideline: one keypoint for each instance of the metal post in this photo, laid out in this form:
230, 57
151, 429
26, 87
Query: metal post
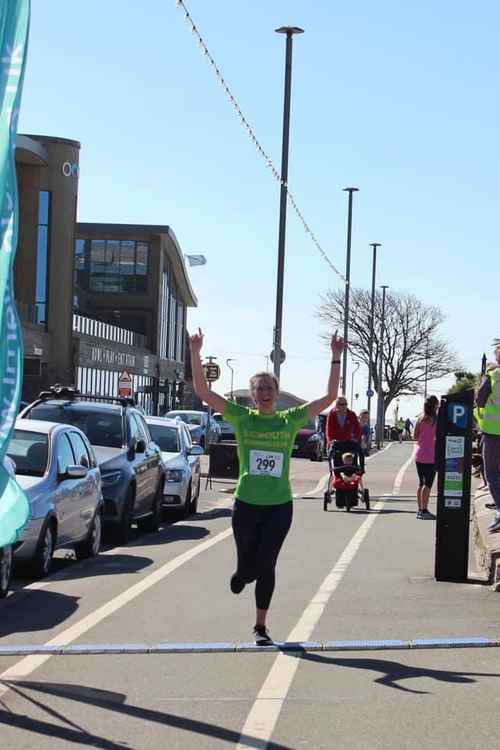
232, 375
289, 31
349, 190
380, 400
358, 365
374, 245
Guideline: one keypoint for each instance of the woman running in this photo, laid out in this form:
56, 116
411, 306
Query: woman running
425, 437
262, 513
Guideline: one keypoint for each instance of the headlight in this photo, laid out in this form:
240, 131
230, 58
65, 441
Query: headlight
111, 478
174, 475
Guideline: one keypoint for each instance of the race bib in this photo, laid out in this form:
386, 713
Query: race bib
266, 463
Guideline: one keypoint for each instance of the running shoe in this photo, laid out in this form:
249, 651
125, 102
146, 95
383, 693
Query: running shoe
490, 506
419, 514
236, 584
261, 636
428, 516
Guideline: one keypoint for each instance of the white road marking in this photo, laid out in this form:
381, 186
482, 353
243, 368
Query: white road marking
324, 479
28, 665
265, 712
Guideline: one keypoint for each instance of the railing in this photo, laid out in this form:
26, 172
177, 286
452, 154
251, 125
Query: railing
97, 328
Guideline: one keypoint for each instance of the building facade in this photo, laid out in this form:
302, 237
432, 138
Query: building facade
99, 303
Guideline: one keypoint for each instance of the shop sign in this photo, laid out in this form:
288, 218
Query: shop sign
102, 355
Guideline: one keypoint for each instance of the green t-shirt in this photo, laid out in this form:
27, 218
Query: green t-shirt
265, 443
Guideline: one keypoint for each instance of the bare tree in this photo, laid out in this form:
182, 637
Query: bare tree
413, 350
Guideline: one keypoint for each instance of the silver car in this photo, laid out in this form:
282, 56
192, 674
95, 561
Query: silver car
56, 467
197, 423
181, 462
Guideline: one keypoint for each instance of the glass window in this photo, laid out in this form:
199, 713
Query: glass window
42, 256
165, 437
115, 266
80, 255
102, 428
29, 451
64, 454
127, 258
143, 427
80, 450
43, 207
133, 429
141, 267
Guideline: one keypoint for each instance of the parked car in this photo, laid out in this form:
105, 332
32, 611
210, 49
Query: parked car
309, 443
181, 462
197, 422
129, 460
226, 428
58, 471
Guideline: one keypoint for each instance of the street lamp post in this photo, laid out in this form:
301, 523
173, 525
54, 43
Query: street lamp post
374, 245
232, 374
289, 31
358, 365
349, 190
380, 400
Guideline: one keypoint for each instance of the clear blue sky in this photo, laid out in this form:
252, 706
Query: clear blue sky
399, 99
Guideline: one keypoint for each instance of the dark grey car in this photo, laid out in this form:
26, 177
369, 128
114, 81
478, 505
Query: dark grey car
56, 467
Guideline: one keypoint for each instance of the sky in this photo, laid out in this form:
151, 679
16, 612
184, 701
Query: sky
397, 99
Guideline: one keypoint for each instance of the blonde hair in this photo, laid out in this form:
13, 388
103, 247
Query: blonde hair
269, 375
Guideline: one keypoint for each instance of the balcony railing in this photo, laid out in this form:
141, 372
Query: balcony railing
91, 327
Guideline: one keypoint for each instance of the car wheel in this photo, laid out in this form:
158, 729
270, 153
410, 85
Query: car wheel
152, 522
42, 561
5, 570
91, 546
123, 527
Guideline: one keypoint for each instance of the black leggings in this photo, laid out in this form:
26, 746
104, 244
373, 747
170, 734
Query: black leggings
259, 532
426, 474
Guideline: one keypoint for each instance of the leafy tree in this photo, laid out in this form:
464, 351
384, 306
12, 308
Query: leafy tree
465, 381
413, 349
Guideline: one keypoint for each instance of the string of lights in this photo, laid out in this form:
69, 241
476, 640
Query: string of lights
251, 134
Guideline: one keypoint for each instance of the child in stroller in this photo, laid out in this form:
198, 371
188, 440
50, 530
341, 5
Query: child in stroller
346, 461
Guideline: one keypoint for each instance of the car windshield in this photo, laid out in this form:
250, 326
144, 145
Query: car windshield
29, 451
165, 437
186, 417
103, 428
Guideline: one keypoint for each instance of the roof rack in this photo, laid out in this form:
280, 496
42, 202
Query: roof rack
70, 393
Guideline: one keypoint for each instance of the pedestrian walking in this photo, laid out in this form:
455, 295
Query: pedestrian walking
342, 423
487, 415
425, 458
263, 509
400, 426
366, 432
408, 426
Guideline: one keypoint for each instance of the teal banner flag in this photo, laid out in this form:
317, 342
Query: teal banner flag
14, 25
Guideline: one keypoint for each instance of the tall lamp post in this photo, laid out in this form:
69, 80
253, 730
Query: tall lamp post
358, 365
232, 374
277, 354
380, 400
374, 245
349, 190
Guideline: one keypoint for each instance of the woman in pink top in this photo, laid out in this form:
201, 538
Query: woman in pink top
425, 436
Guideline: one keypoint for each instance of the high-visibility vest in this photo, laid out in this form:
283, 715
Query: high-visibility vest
488, 417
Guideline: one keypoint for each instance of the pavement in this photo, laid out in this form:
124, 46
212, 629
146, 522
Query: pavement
486, 545
358, 575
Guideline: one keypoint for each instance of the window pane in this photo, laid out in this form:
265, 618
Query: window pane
113, 257
80, 255
97, 256
142, 259
80, 450
41, 264
29, 451
43, 207
127, 258
64, 454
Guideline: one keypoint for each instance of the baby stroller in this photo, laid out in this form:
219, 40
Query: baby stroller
346, 482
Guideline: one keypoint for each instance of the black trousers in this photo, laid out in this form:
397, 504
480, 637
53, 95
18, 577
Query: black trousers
259, 532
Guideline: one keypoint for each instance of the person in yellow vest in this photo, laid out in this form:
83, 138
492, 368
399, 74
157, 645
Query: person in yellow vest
487, 414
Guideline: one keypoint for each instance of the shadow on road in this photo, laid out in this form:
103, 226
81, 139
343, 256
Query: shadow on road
393, 672
174, 533
29, 611
210, 515
66, 729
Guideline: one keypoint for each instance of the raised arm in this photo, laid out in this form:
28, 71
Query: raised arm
318, 405
201, 388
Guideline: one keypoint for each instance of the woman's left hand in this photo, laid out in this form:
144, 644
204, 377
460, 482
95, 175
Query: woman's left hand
337, 345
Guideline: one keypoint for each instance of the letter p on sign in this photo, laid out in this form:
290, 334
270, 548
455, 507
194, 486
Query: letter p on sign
457, 413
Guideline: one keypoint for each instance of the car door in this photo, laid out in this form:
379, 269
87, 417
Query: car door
153, 458
65, 496
88, 492
193, 461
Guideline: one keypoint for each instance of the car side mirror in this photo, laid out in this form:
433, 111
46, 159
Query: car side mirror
195, 450
74, 472
140, 446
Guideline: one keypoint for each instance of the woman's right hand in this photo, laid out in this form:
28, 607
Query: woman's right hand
196, 341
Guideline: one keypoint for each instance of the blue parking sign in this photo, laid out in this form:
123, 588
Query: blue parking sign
458, 414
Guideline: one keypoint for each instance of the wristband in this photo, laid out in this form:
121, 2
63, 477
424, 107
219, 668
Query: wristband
335, 361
